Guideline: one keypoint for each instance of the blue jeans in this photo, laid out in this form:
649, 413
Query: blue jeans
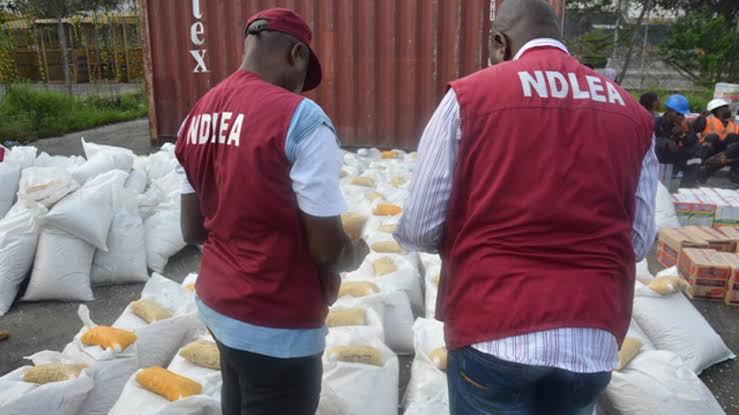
483, 384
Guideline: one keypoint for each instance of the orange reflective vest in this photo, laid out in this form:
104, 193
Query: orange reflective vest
715, 126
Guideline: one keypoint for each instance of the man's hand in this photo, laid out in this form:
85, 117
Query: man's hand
353, 257
191, 220
330, 247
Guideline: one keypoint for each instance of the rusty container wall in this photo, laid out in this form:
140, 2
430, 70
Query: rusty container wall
386, 63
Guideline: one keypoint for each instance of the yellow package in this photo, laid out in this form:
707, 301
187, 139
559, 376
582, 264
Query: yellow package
367, 355
398, 181
383, 266
358, 289
387, 209
435, 279
340, 317
190, 286
202, 353
391, 228
52, 372
168, 384
363, 181
388, 155
387, 247
668, 285
629, 350
108, 338
150, 311
439, 357
371, 196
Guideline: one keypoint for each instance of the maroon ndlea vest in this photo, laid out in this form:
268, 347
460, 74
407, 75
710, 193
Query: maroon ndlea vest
538, 232
256, 265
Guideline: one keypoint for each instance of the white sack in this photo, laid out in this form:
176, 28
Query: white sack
125, 260
432, 289
427, 392
19, 232
137, 181
61, 270
136, 400
364, 389
636, 332
406, 278
163, 238
148, 202
45, 185
103, 162
398, 322
59, 398
159, 341
658, 382
10, 175
45, 160
88, 212
91, 149
110, 369
23, 156
159, 165
374, 307
665, 215
642, 270
672, 323
329, 403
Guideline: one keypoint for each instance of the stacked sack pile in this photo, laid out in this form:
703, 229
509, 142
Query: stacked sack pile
157, 357
75, 222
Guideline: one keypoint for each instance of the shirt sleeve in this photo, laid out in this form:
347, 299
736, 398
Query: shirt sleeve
315, 174
424, 215
645, 228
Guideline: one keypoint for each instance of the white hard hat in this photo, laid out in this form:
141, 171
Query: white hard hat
716, 103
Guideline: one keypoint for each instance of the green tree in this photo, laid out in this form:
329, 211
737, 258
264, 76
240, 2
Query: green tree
593, 47
703, 47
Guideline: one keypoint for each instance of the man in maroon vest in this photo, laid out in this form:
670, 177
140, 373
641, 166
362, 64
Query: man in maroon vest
260, 169
536, 180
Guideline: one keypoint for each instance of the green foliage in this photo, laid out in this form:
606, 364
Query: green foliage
594, 47
698, 99
702, 47
27, 114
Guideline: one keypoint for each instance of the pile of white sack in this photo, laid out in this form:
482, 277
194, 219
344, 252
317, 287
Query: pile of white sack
70, 223
375, 319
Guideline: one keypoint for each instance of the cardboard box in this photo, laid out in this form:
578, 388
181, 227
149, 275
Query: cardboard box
691, 209
706, 271
716, 240
672, 241
727, 205
732, 288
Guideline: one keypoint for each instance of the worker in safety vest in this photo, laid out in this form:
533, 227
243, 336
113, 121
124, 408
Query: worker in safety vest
676, 143
539, 224
260, 168
719, 140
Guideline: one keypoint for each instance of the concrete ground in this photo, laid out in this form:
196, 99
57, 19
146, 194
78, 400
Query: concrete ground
51, 325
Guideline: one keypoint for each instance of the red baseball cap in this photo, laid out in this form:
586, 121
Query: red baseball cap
288, 22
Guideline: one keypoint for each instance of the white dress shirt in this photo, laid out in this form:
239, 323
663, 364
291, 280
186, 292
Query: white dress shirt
582, 350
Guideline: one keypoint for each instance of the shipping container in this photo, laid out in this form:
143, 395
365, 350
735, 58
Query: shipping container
385, 63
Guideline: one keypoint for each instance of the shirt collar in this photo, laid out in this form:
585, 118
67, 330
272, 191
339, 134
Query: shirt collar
536, 43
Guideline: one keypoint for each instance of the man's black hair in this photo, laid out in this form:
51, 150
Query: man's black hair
647, 100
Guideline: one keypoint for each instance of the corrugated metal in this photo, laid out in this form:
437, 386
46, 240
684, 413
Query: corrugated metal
385, 62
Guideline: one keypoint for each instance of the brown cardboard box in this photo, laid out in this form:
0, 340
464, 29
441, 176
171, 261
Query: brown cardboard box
706, 271
672, 241
716, 240
732, 290
732, 232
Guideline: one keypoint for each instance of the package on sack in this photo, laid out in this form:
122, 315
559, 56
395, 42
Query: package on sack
173, 324
125, 260
658, 382
110, 367
19, 233
672, 323
363, 373
61, 268
53, 385
45, 185
88, 212
143, 399
362, 316
706, 271
391, 272
427, 388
